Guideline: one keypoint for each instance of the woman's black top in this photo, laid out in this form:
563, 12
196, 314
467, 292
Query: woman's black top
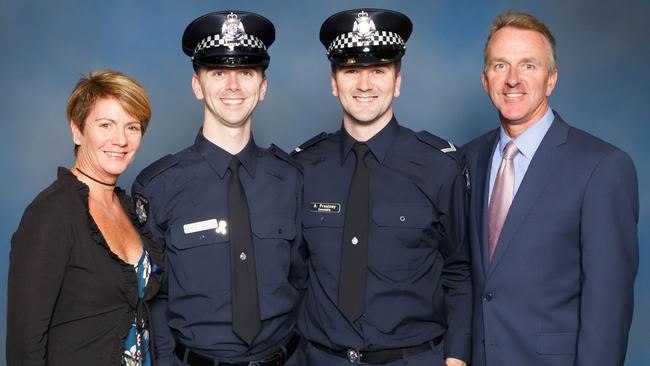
71, 301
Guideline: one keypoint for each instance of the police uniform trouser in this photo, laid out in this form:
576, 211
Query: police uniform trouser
432, 357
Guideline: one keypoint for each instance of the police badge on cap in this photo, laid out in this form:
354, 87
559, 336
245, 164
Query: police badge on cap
229, 38
365, 37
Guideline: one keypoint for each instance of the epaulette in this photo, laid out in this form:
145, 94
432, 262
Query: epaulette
312, 141
448, 149
275, 150
442, 145
156, 168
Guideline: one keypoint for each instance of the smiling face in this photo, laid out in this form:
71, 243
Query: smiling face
366, 93
230, 94
108, 142
519, 77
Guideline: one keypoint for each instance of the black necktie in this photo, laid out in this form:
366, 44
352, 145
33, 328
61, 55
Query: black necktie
354, 249
245, 307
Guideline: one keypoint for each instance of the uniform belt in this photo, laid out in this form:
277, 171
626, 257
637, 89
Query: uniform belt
277, 358
379, 356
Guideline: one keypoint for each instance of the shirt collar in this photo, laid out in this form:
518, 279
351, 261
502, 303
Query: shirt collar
529, 140
219, 159
378, 144
248, 156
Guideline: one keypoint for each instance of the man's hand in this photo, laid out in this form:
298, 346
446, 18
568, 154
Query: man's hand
454, 362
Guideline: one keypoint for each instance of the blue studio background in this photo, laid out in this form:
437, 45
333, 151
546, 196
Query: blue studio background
603, 58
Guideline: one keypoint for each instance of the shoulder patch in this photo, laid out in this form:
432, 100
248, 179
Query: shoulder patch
312, 141
468, 185
156, 168
437, 143
276, 151
141, 208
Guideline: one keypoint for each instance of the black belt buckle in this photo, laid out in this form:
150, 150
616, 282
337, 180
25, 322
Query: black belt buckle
378, 357
354, 356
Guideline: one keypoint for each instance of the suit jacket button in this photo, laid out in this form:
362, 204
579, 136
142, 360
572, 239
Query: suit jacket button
488, 297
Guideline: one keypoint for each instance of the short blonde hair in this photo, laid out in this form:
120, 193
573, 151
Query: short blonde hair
108, 84
523, 21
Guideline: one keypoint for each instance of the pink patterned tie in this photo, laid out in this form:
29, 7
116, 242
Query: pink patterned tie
502, 193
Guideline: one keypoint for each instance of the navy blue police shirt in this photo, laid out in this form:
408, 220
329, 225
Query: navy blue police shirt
419, 276
182, 200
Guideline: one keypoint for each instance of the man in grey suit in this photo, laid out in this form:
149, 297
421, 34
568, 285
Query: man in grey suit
553, 217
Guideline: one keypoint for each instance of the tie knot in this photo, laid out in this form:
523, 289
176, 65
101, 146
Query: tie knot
360, 150
510, 151
234, 164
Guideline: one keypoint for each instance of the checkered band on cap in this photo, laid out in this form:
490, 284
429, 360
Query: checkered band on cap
217, 40
379, 38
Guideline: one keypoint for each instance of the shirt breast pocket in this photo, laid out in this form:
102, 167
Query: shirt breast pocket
400, 241
402, 215
323, 232
200, 261
272, 236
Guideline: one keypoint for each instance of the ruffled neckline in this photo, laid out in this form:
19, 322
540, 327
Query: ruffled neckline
66, 176
129, 278
97, 236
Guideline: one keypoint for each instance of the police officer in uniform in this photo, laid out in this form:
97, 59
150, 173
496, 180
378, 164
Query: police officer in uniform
226, 213
384, 216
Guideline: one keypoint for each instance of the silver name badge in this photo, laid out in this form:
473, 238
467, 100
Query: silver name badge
324, 207
219, 225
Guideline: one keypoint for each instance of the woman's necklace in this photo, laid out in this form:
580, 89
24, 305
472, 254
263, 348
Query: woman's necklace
106, 186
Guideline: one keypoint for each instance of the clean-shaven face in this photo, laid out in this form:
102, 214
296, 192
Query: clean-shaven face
518, 76
230, 94
366, 92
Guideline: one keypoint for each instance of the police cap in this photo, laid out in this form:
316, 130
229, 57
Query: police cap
229, 38
365, 37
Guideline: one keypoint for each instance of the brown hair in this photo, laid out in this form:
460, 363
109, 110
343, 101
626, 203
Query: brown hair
107, 84
522, 21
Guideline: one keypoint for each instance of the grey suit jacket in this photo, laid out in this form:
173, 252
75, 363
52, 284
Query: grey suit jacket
559, 290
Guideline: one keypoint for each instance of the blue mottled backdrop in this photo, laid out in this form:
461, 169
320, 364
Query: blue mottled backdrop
603, 58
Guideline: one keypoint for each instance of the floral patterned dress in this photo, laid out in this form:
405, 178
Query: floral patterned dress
136, 345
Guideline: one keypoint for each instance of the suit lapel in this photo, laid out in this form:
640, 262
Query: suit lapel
539, 172
483, 177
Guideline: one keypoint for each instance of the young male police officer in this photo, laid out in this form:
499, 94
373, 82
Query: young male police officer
226, 213
384, 216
